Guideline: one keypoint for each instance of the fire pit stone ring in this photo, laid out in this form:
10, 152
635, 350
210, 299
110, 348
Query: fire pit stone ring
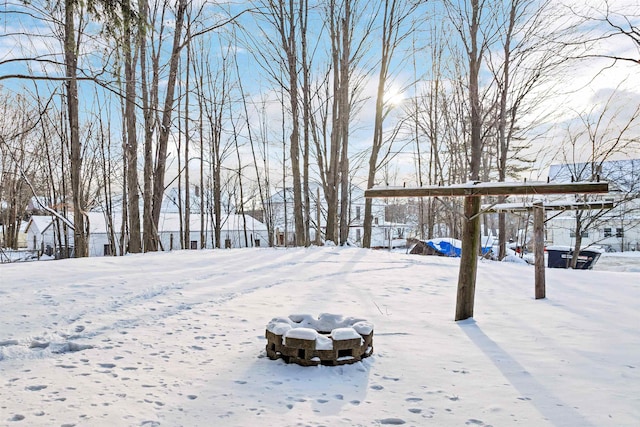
330, 339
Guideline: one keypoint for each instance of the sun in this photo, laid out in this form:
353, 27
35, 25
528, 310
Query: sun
393, 97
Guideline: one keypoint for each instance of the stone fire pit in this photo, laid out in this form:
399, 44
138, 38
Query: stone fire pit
328, 340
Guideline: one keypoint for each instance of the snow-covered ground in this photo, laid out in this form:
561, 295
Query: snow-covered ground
619, 261
177, 338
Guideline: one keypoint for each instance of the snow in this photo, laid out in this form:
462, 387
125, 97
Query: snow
323, 343
341, 334
302, 334
177, 339
363, 328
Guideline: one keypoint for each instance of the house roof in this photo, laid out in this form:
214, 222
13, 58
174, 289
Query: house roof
38, 223
169, 201
169, 222
623, 175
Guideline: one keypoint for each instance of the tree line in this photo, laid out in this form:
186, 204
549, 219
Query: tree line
109, 103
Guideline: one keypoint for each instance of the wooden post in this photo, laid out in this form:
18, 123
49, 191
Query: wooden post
318, 218
538, 238
468, 258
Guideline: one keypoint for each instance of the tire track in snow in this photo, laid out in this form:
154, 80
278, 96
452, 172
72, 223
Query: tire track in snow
129, 309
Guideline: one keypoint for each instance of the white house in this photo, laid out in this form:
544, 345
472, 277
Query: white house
44, 233
383, 233
237, 231
617, 229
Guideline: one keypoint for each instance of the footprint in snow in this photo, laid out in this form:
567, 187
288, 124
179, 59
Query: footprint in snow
392, 421
39, 344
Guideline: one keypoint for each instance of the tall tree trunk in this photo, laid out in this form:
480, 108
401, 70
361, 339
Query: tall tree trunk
503, 142
203, 243
130, 60
149, 104
471, 224
71, 66
343, 122
573, 262
294, 141
377, 125
333, 171
165, 128
187, 141
306, 119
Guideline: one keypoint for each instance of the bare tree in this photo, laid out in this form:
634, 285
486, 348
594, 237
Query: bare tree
18, 164
591, 143
606, 30
289, 21
394, 15
350, 28
129, 48
526, 62
473, 22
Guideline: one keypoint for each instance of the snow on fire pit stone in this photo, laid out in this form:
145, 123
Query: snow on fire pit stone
331, 339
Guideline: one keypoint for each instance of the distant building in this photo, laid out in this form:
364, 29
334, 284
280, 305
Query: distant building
616, 230
383, 233
22, 235
47, 233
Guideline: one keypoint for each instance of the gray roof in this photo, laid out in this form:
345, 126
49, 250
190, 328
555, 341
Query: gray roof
622, 175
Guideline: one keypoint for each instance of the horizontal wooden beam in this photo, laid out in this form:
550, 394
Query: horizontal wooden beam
489, 189
552, 206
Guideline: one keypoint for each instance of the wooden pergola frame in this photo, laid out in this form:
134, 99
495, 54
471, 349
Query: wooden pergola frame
476, 189
539, 212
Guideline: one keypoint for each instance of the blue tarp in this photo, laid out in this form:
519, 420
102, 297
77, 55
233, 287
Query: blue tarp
451, 247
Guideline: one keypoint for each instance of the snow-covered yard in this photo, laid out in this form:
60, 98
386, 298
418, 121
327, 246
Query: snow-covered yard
177, 338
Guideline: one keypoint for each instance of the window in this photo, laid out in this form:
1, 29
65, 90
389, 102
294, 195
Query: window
357, 212
583, 234
257, 243
358, 236
375, 220
607, 232
619, 232
107, 250
194, 244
